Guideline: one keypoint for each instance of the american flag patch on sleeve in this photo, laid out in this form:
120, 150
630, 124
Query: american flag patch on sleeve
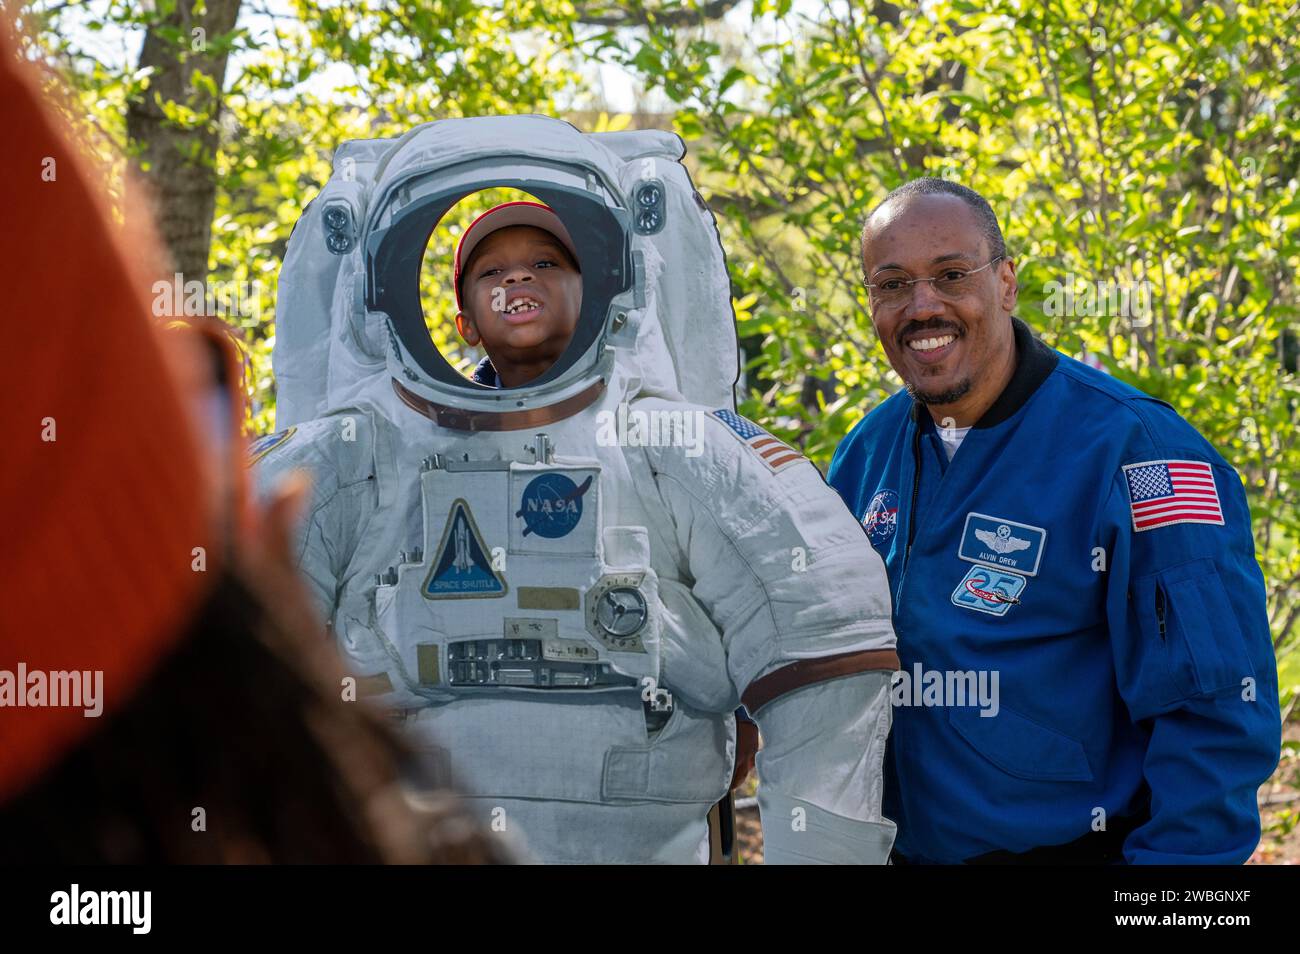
771, 451
1165, 492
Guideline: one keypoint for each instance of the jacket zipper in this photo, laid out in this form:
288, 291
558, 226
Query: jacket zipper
916, 493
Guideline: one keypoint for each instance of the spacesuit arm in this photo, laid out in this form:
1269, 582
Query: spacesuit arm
1194, 662
778, 563
802, 602
342, 496
820, 773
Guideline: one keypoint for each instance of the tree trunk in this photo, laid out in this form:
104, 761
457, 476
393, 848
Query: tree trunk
177, 160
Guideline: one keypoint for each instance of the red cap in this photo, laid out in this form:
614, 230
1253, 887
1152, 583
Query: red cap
504, 216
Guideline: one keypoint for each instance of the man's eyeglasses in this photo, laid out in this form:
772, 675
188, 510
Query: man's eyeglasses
895, 288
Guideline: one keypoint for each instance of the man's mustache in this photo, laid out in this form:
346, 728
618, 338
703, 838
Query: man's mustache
931, 324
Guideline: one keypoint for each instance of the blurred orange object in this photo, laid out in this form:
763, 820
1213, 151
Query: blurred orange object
107, 506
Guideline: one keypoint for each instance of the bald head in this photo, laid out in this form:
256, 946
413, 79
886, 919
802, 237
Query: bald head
986, 222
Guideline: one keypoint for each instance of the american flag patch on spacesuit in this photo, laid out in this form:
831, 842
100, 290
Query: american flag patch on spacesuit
1165, 492
769, 450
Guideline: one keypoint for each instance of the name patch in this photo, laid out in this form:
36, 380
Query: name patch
1002, 543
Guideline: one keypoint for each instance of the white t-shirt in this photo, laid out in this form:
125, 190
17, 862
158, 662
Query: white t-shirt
952, 438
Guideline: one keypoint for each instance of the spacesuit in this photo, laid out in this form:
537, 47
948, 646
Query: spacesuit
564, 618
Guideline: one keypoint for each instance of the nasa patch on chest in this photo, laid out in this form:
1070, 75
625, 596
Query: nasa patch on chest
554, 511
1002, 543
881, 519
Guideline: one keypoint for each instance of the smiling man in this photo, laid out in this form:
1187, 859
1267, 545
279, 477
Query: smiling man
1048, 525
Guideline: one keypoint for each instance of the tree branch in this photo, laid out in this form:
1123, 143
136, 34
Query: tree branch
630, 15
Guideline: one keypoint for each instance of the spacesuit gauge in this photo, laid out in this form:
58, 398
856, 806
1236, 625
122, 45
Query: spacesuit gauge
565, 589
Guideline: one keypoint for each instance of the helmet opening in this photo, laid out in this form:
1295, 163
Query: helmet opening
438, 298
407, 235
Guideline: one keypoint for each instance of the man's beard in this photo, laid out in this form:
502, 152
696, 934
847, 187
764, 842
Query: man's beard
940, 398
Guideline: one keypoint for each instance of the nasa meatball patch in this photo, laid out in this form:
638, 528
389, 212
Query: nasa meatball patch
551, 505
881, 519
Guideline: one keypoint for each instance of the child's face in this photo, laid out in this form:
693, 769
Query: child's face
521, 299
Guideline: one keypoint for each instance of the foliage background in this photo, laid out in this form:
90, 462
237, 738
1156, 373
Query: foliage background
1133, 141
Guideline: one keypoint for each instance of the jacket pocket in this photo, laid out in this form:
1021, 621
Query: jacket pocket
1186, 613
1021, 747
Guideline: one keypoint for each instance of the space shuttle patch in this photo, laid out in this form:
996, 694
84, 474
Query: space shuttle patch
770, 451
462, 564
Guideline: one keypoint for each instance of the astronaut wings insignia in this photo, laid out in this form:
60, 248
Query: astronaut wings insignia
1001, 541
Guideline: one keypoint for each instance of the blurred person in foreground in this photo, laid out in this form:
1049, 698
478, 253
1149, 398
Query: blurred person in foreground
166, 694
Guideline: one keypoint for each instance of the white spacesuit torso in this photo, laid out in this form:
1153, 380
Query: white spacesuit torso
564, 611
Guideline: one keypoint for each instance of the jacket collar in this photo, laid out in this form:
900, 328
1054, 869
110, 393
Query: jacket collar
486, 374
1035, 361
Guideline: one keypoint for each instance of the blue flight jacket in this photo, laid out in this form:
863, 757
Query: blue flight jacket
1089, 547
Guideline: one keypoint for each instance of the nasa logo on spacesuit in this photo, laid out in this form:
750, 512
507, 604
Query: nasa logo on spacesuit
881, 519
552, 505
